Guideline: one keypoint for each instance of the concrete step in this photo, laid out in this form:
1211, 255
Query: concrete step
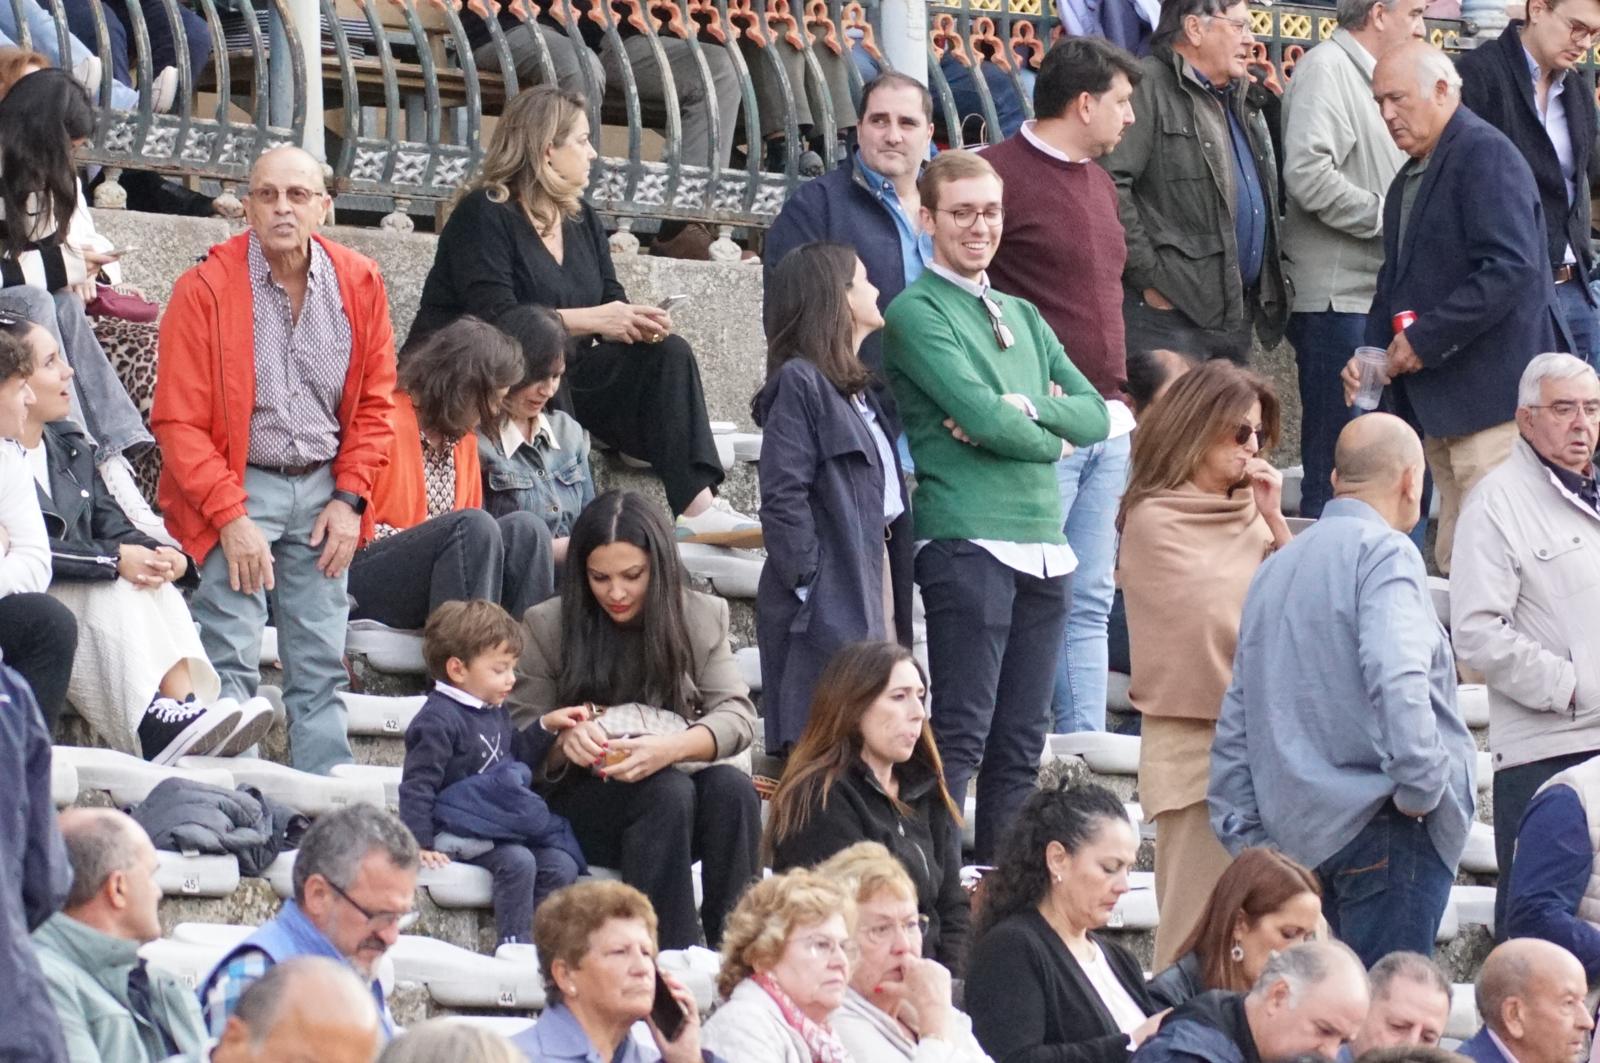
301, 791
129, 779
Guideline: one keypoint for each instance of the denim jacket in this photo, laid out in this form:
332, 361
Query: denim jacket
553, 482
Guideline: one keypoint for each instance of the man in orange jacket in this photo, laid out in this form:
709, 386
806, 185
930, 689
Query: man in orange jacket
272, 410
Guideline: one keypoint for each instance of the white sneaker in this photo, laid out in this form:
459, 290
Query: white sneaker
721, 525
255, 720
164, 89
118, 477
87, 73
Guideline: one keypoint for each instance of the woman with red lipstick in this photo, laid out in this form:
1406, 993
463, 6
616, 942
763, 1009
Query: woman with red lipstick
898, 1006
1203, 509
866, 770
1039, 974
626, 631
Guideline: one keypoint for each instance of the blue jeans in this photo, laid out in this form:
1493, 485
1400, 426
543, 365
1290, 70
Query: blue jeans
310, 608
1323, 343
1091, 483
1578, 313
1386, 890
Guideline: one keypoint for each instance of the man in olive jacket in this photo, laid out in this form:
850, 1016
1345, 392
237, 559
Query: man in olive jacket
1197, 189
113, 1009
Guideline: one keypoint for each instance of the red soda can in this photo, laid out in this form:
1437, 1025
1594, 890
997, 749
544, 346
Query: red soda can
1402, 320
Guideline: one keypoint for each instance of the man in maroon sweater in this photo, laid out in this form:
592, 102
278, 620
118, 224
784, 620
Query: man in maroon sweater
1064, 252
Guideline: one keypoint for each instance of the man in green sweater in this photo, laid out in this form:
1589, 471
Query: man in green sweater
990, 404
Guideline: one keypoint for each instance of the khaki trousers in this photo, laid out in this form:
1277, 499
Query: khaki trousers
1457, 464
1189, 860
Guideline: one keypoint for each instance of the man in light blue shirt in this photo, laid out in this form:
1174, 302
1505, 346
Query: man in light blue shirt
1339, 741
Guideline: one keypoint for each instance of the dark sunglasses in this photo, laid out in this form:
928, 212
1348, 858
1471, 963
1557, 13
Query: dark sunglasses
1242, 434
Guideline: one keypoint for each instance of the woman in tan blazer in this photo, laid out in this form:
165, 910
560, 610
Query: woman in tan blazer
626, 632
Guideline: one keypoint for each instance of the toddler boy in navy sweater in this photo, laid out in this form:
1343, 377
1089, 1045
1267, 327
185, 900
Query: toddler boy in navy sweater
463, 789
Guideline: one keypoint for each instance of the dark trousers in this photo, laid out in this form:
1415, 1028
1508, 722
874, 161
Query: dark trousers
1513, 790
399, 580
994, 635
1387, 889
1150, 329
38, 636
1323, 343
645, 399
523, 878
1578, 314
655, 829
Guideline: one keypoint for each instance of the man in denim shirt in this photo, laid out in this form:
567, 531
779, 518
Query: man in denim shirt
1340, 742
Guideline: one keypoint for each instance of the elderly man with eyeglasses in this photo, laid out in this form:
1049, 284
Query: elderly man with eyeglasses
354, 884
272, 408
1522, 598
990, 404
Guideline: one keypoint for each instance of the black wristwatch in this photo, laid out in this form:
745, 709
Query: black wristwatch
351, 499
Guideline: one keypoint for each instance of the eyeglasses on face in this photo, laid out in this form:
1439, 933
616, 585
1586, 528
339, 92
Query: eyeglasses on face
1577, 32
880, 934
298, 195
1244, 432
1564, 409
821, 948
377, 920
966, 217
1241, 26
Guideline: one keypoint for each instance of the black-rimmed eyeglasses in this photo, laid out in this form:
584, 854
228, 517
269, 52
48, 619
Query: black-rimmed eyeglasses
377, 920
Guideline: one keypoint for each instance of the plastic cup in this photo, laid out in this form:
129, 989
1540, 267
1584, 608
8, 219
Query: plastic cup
1374, 363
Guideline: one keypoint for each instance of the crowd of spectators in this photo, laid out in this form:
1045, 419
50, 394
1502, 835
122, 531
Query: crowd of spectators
1008, 382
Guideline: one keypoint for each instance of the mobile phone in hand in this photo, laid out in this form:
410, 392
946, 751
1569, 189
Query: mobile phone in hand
672, 301
666, 1012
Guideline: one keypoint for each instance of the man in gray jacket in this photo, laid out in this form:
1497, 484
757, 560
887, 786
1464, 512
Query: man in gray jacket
1523, 589
1197, 191
1338, 161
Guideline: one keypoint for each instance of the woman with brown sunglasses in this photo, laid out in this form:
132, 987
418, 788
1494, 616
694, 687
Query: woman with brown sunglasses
1202, 510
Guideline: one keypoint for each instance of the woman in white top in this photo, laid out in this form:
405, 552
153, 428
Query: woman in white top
898, 1006
786, 956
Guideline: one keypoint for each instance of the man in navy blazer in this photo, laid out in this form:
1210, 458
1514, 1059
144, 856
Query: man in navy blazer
1527, 84
1464, 251
1531, 997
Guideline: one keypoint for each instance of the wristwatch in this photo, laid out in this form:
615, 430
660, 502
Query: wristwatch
351, 499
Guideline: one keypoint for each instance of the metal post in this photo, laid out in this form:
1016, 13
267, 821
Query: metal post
307, 15
904, 36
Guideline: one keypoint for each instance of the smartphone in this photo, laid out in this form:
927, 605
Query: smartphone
672, 301
666, 1012
118, 252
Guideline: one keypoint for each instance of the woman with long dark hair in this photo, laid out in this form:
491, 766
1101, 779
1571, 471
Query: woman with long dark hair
834, 511
535, 457
523, 235
1040, 977
647, 790
866, 770
425, 537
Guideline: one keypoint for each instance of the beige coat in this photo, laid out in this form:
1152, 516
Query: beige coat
1338, 161
1524, 581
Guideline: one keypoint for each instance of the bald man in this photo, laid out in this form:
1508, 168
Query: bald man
1465, 256
1531, 997
1339, 740
304, 1010
272, 409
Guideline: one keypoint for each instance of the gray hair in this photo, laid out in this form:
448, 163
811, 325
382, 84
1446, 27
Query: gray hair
337, 843
451, 1039
1305, 966
1411, 966
263, 999
1353, 14
99, 842
1433, 66
1553, 366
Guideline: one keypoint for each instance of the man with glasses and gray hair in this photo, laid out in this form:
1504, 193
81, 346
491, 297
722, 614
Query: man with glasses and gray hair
354, 884
1526, 83
1197, 189
1338, 160
1522, 596
276, 382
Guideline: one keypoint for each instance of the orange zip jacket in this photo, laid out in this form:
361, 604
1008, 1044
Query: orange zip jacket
206, 389
400, 491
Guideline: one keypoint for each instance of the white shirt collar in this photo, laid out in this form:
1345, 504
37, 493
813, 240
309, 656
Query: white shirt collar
511, 436
457, 694
1032, 137
1501, 1045
979, 287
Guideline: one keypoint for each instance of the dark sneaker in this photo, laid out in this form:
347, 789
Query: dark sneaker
172, 729
255, 720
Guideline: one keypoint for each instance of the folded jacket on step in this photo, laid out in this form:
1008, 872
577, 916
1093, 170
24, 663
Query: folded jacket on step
185, 816
500, 805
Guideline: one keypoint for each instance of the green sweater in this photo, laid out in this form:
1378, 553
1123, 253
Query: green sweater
943, 361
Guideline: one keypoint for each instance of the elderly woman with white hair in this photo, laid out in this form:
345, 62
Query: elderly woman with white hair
1522, 594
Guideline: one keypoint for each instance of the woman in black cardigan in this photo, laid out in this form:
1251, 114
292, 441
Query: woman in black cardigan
866, 770
1041, 987
523, 235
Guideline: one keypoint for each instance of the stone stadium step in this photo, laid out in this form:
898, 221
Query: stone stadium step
385, 648
459, 978
1464, 1020
731, 573
1104, 752
1479, 858
269, 648
697, 968
1474, 905
749, 662
301, 791
386, 777
196, 874
1473, 701
506, 1026
380, 716
129, 779
63, 781
1293, 478
1439, 591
